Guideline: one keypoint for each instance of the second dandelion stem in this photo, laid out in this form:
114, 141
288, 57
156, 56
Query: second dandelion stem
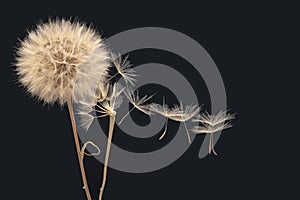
110, 135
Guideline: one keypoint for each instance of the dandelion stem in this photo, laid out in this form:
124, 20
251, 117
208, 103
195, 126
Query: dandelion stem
110, 135
187, 132
126, 115
165, 131
78, 149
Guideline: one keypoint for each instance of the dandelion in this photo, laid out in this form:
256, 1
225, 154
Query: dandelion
137, 102
177, 113
212, 124
59, 61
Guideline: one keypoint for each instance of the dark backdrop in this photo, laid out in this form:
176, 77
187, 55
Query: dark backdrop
255, 48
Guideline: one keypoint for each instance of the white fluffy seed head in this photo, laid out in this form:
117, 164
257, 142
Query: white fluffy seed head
59, 56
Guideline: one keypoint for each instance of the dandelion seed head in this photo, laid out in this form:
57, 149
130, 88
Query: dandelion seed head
58, 55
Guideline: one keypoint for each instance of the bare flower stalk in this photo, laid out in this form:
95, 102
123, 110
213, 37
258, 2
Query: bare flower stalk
109, 140
78, 150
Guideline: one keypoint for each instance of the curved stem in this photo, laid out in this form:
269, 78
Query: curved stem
110, 135
78, 149
82, 152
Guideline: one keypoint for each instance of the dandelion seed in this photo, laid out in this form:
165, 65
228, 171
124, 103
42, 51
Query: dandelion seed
177, 113
123, 68
137, 103
212, 124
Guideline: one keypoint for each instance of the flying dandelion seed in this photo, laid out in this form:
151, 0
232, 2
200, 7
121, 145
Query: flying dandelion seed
137, 102
124, 68
212, 124
177, 113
